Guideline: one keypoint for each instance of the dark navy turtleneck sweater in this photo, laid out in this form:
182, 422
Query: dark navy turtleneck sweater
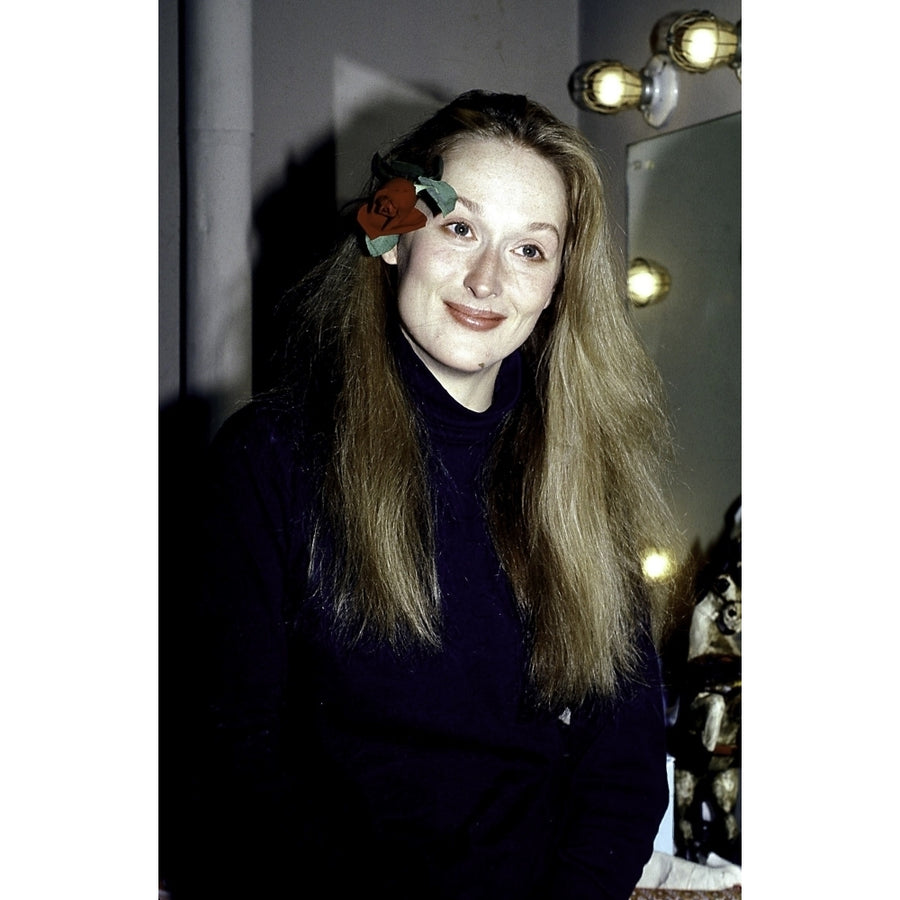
368, 771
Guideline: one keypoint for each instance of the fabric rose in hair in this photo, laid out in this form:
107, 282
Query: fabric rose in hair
392, 210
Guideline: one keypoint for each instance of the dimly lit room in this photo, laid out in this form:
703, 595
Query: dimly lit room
270, 113
385, 386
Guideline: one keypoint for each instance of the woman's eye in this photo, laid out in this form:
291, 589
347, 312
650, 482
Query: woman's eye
460, 229
529, 251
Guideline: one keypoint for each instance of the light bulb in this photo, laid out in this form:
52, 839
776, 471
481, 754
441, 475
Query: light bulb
648, 281
606, 86
699, 45
698, 41
642, 285
657, 565
609, 87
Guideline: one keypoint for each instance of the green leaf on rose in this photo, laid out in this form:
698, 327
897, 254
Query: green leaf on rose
440, 192
381, 244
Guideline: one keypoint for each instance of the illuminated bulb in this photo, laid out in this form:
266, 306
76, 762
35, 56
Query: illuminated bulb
648, 281
698, 42
606, 86
657, 565
699, 45
610, 88
643, 286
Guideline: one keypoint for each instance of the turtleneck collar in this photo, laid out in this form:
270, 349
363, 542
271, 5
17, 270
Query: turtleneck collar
443, 414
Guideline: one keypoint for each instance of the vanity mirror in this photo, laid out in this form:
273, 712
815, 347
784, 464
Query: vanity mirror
684, 214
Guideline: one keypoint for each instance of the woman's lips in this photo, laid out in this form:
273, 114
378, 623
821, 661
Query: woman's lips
476, 319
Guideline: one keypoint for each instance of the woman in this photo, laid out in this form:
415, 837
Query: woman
430, 666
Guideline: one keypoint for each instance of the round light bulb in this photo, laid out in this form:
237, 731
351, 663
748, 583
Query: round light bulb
648, 281
609, 87
657, 565
606, 86
700, 44
642, 286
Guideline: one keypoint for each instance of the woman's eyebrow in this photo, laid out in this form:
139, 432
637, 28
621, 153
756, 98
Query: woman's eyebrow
471, 205
544, 226
477, 209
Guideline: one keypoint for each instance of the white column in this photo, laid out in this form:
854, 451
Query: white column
218, 127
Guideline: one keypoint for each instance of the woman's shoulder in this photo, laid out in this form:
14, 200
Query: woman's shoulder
270, 434
261, 416
272, 421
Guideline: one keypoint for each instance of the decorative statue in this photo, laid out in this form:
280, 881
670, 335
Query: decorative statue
707, 733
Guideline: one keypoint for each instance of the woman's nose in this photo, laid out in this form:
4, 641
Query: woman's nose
484, 276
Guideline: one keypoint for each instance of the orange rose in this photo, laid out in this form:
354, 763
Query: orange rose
392, 210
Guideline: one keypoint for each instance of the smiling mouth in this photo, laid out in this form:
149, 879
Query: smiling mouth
476, 319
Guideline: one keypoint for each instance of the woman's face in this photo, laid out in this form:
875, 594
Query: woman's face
472, 284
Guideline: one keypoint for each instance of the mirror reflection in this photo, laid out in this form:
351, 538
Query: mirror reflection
684, 198
684, 220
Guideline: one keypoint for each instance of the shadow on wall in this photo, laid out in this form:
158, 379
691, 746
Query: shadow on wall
295, 225
299, 222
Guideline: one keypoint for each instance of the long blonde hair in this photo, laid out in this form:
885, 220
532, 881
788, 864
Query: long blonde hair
577, 480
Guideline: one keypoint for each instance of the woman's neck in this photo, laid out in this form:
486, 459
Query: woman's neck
474, 390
